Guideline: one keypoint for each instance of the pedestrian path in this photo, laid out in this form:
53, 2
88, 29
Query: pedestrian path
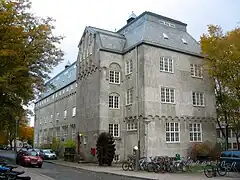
116, 170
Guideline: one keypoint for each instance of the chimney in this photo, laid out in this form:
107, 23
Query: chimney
131, 17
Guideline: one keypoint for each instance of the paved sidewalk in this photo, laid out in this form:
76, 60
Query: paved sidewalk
116, 170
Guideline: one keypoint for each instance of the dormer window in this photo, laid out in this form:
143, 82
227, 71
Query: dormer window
165, 36
184, 41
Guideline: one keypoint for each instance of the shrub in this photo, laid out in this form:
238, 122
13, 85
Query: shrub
69, 143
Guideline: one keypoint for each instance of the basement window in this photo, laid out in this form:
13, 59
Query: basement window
165, 36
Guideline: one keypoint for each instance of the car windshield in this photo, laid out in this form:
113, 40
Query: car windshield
32, 153
47, 151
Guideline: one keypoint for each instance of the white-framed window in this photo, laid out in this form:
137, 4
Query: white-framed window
76, 85
73, 111
129, 96
132, 126
166, 64
114, 102
63, 91
60, 92
73, 133
51, 117
114, 130
114, 77
167, 95
71, 87
196, 70
198, 98
195, 132
65, 132
67, 89
172, 132
128, 66
57, 116
65, 114
116, 158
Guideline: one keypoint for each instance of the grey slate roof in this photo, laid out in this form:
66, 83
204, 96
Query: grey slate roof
148, 27
65, 77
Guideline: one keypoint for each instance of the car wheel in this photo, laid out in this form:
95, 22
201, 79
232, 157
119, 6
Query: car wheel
40, 166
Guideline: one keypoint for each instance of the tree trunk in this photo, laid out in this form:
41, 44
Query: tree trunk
238, 143
226, 129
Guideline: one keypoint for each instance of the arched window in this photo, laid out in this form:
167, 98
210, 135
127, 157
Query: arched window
114, 73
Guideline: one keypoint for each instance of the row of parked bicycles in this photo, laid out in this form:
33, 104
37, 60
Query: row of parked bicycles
157, 164
171, 165
8, 172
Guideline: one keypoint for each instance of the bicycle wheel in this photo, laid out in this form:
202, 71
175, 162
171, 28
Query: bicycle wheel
125, 166
156, 168
222, 171
150, 167
208, 171
131, 167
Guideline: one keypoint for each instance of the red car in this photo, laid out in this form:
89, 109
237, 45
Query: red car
29, 158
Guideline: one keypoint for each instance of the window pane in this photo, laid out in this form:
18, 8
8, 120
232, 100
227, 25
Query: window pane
170, 65
111, 76
163, 95
117, 77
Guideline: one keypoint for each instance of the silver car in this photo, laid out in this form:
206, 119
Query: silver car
47, 154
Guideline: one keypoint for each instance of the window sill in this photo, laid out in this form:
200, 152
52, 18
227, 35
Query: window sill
196, 141
128, 104
168, 103
199, 106
173, 142
197, 77
128, 74
167, 72
117, 138
114, 83
114, 108
132, 130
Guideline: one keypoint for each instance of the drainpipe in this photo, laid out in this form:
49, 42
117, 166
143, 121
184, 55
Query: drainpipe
138, 120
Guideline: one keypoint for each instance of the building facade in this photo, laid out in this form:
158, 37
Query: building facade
147, 75
55, 110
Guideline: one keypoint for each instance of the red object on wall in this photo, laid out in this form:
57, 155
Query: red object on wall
93, 151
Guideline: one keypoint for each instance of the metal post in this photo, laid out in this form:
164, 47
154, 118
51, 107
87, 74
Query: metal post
138, 145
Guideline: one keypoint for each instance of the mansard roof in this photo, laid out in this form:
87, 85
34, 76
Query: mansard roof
62, 79
149, 28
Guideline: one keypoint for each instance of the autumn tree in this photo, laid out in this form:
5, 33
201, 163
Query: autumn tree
28, 52
26, 133
222, 53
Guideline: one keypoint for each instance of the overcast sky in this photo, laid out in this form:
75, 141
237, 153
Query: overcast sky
73, 15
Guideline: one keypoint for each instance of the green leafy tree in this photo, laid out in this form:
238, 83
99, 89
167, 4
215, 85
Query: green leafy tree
222, 51
28, 52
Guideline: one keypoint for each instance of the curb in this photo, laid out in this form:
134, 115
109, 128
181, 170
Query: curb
110, 173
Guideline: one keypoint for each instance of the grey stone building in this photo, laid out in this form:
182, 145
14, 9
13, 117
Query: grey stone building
149, 71
55, 110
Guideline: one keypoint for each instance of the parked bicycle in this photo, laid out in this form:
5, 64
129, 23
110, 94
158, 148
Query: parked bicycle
211, 170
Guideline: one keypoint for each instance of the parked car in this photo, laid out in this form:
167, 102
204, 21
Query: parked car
29, 158
231, 156
36, 150
47, 154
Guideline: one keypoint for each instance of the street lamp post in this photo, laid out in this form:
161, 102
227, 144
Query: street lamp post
16, 133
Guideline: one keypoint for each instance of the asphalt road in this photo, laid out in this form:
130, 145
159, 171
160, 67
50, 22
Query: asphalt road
59, 172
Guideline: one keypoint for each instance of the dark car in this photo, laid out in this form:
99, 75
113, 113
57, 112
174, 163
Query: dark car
29, 158
231, 157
